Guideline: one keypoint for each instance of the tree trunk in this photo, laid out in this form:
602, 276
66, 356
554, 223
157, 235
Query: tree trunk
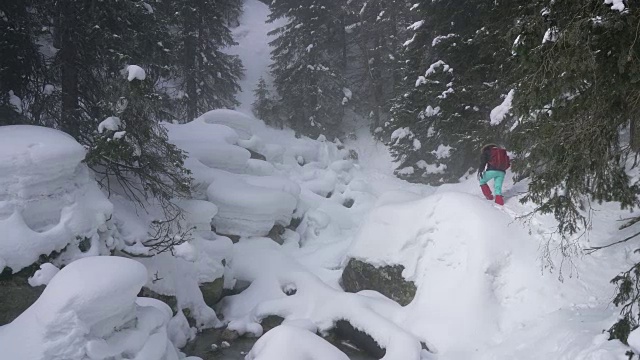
634, 133
69, 70
190, 75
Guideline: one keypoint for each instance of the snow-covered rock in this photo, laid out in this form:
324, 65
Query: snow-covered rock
276, 344
238, 121
468, 261
44, 275
251, 205
212, 144
89, 311
48, 198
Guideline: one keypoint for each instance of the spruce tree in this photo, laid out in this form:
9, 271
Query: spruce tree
455, 63
131, 156
376, 32
20, 63
577, 136
264, 107
309, 60
207, 77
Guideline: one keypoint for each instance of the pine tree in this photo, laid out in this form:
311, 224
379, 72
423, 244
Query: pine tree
309, 60
375, 41
207, 77
95, 41
455, 61
20, 63
131, 155
577, 137
264, 107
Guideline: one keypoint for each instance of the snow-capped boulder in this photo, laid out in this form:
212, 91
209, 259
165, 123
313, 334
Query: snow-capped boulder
50, 201
215, 145
468, 262
277, 344
387, 280
251, 205
238, 121
89, 310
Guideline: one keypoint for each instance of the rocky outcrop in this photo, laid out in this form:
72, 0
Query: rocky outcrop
167, 299
212, 291
344, 330
387, 280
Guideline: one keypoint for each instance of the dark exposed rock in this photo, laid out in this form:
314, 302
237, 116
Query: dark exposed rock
348, 203
229, 335
167, 299
270, 322
387, 280
276, 233
212, 291
240, 286
85, 244
16, 295
257, 156
295, 222
344, 330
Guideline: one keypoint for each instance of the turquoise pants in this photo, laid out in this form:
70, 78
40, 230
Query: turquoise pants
498, 179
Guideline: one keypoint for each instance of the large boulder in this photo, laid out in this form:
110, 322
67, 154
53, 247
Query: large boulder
212, 291
49, 200
387, 280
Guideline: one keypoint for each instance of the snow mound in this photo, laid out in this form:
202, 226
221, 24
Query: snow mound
271, 271
238, 121
48, 198
251, 205
470, 262
213, 145
277, 345
89, 311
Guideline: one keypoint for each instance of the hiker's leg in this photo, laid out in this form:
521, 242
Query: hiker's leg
498, 180
486, 177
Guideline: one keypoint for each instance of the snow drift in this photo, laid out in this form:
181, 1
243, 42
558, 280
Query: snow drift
89, 310
48, 198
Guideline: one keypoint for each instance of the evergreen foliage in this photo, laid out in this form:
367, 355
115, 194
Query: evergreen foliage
453, 78
376, 31
206, 76
309, 58
265, 107
20, 63
577, 137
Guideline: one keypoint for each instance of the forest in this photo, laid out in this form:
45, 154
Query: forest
554, 82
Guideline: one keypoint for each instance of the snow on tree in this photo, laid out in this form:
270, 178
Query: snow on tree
453, 76
308, 66
206, 77
265, 107
578, 135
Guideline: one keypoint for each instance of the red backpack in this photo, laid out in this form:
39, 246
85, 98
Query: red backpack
499, 159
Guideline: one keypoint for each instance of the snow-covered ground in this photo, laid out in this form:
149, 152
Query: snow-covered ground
484, 286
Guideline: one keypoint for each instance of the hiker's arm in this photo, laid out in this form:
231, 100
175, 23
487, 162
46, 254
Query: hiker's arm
484, 159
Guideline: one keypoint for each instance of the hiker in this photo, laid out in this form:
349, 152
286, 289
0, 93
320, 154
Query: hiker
496, 161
